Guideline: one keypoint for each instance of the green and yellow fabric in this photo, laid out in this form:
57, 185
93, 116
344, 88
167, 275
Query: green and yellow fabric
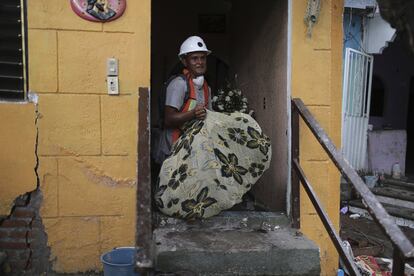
212, 165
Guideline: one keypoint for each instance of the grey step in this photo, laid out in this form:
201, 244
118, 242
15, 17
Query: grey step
405, 184
227, 219
396, 211
394, 193
235, 243
396, 202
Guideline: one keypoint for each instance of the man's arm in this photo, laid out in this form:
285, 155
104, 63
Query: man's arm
174, 118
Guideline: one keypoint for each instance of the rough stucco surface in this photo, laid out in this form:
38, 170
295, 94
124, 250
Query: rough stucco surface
316, 79
87, 139
17, 153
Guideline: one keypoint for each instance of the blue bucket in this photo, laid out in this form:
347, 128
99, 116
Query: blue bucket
119, 262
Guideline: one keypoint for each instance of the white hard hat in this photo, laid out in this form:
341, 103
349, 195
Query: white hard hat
193, 44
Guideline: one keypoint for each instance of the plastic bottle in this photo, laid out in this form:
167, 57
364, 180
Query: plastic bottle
396, 171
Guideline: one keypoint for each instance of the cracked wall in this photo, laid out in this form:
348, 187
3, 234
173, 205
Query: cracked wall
23, 239
17, 153
87, 140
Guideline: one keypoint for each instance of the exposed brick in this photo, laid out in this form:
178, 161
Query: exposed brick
12, 245
18, 254
24, 212
17, 265
4, 233
18, 234
14, 223
21, 200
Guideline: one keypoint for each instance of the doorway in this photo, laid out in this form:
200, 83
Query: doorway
248, 40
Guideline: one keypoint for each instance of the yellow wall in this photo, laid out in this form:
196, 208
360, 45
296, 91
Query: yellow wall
87, 139
17, 153
317, 79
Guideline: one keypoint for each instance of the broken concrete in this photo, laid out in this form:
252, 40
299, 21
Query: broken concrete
23, 239
235, 243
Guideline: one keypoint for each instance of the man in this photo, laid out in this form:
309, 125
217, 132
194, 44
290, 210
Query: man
187, 95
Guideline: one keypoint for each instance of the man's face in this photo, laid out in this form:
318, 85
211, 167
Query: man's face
196, 63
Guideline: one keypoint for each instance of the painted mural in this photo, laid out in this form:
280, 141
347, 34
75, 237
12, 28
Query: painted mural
99, 10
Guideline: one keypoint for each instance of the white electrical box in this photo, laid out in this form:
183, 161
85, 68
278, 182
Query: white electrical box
112, 67
113, 85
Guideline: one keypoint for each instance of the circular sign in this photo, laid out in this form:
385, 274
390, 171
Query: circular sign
98, 10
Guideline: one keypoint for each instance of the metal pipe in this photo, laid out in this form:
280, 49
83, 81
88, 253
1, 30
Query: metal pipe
374, 207
347, 260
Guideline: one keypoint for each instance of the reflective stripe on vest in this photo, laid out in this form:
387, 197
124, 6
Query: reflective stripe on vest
191, 102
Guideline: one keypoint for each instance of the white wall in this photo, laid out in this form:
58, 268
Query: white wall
379, 34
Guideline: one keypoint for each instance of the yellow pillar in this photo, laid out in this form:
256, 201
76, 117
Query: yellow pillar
317, 80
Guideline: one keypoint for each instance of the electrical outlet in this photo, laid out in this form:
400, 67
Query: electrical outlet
113, 85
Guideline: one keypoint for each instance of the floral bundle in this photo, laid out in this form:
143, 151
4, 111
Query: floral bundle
231, 100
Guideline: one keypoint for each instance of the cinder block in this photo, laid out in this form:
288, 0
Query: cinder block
318, 175
117, 232
13, 245
4, 233
69, 125
82, 65
17, 156
18, 235
74, 243
90, 186
18, 254
49, 186
51, 14
42, 61
119, 125
17, 266
23, 212
311, 75
310, 149
15, 223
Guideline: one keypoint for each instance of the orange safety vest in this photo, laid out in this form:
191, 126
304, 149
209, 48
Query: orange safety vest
191, 102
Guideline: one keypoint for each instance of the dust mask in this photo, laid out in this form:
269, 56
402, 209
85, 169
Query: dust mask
199, 81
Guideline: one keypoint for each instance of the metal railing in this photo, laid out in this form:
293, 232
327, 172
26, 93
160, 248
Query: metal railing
143, 232
403, 248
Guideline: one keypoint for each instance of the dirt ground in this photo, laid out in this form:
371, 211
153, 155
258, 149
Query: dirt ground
366, 237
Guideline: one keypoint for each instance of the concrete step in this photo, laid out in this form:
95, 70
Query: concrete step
234, 243
396, 211
403, 216
403, 183
393, 192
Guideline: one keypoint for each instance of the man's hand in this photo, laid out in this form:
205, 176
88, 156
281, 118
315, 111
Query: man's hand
200, 112
175, 119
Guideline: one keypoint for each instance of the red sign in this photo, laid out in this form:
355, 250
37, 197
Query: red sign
99, 10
